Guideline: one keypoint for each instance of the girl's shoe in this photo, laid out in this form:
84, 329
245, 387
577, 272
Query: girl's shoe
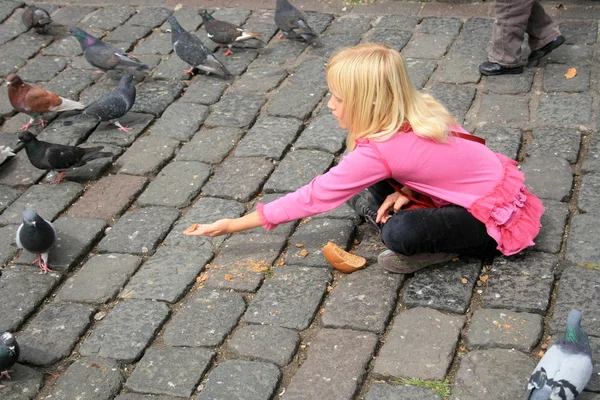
400, 264
363, 204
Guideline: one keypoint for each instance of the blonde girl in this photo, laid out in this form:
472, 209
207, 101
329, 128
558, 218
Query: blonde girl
402, 143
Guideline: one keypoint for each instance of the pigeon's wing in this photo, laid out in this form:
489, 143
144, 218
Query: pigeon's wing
104, 56
222, 32
17, 238
109, 107
190, 49
213, 66
546, 367
41, 17
63, 157
40, 100
572, 377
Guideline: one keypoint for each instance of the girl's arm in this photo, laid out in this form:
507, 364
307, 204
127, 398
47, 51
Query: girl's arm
224, 226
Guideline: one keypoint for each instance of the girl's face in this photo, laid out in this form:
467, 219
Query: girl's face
336, 105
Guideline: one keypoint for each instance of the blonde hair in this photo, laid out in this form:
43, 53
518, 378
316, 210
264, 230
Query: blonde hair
379, 98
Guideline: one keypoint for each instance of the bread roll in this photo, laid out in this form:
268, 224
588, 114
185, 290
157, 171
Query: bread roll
342, 260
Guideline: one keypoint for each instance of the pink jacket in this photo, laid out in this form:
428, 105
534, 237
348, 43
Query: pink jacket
460, 171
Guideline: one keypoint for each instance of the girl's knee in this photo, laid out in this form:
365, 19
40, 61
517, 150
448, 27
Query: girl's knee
402, 236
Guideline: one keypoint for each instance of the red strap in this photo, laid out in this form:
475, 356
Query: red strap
469, 137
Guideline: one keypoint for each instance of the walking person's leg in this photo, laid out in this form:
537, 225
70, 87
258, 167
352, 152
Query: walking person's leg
543, 32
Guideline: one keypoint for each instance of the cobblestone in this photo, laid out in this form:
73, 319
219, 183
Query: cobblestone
147, 155
210, 146
264, 343
93, 377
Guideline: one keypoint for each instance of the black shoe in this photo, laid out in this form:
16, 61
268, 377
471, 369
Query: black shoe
539, 53
492, 68
364, 206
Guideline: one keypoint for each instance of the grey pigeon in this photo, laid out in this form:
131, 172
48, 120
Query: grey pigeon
9, 354
57, 157
105, 56
190, 49
37, 236
227, 34
293, 23
566, 368
36, 18
112, 106
5, 152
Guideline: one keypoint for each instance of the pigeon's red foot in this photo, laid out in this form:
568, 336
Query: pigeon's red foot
2, 386
43, 265
189, 71
6, 374
26, 126
280, 36
228, 52
59, 178
122, 128
42, 122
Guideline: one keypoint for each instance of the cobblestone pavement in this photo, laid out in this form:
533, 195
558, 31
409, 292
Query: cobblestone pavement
135, 308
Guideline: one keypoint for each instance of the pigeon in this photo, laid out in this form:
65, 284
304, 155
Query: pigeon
9, 354
190, 49
37, 236
36, 18
34, 101
103, 55
293, 24
5, 152
58, 157
112, 106
566, 368
225, 33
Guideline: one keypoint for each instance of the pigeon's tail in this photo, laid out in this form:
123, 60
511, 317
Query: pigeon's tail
252, 43
5, 152
74, 116
214, 67
93, 153
67, 105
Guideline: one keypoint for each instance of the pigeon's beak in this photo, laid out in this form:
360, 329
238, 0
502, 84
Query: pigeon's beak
33, 223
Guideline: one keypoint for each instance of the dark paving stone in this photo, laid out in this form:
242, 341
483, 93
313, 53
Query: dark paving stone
555, 81
501, 139
429, 46
69, 83
510, 84
139, 396
297, 169
420, 71
100, 278
62, 325
497, 109
419, 334
11, 28
107, 18
305, 99
16, 52
42, 69
458, 69
13, 124
320, 375
210, 146
47, 200
127, 34
269, 137
572, 54
457, 99
158, 42
139, 231
189, 19
7, 7
332, 42
69, 135
71, 15
384, 391
565, 109
576, 289
583, 236
261, 79
25, 383
320, 21
323, 134
155, 96
18, 171
23, 289
236, 110
443, 287
281, 51
549, 177
394, 38
363, 300
176, 185
238, 178
239, 61
92, 378
180, 121
147, 155
7, 196
369, 243
290, 298
437, 25
579, 32
205, 319
167, 275
150, 16
205, 90
592, 161
313, 235
8, 245
504, 329
521, 283
351, 23
94, 169
6, 109
588, 200
96, 91
553, 227
171, 68
478, 376
169, 371
238, 379
108, 197
556, 142
205, 210
108, 133
126, 331
264, 343
75, 237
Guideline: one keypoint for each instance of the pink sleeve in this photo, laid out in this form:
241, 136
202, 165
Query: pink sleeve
358, 170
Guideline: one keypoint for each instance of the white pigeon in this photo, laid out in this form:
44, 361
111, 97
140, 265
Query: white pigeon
5, 152
566, 368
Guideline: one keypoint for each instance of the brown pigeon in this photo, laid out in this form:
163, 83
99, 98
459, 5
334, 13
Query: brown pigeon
35, 101
227, 34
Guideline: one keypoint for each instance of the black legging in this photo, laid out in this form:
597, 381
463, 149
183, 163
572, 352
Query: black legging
450, 229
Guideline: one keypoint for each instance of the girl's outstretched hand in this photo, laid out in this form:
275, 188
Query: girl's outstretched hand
392, 203
217, 228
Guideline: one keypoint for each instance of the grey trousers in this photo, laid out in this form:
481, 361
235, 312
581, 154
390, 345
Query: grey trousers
513, 19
